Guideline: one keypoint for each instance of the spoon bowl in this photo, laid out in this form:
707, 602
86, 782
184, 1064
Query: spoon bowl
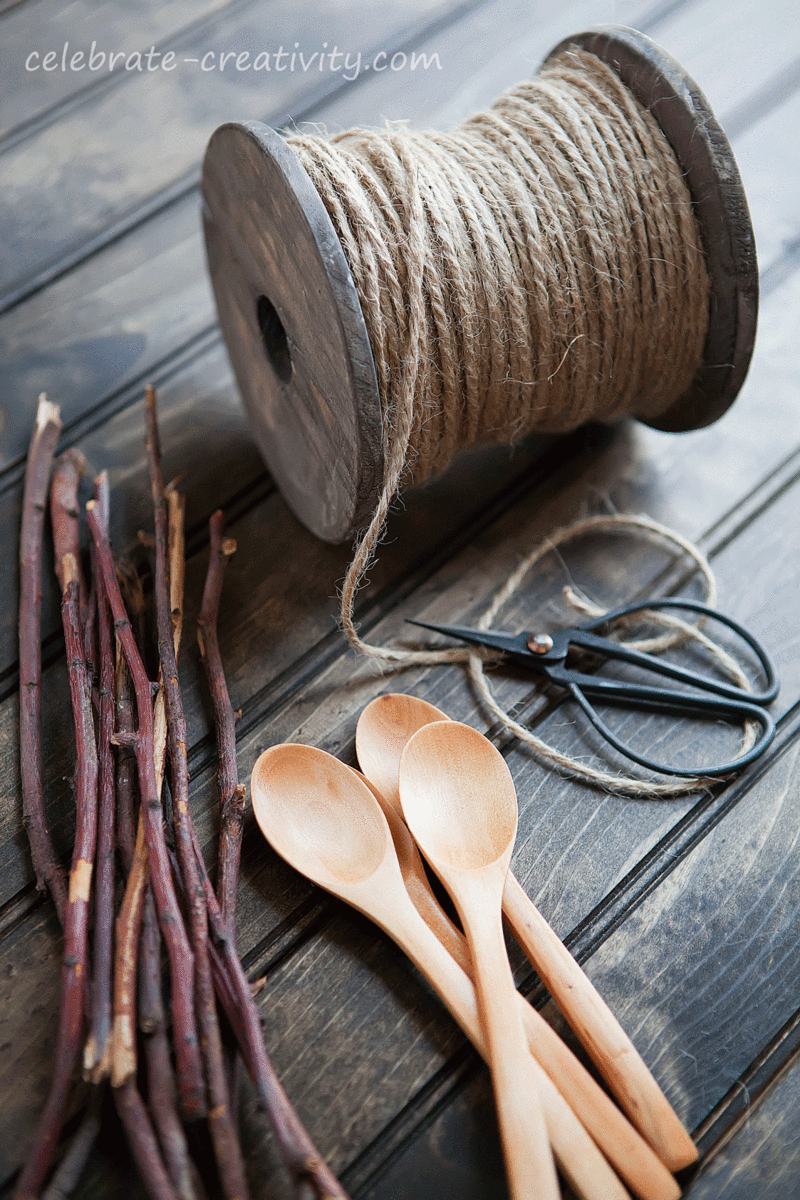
318, 817
383, 730
458, 798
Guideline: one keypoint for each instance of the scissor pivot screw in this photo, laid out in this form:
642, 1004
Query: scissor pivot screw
540, 643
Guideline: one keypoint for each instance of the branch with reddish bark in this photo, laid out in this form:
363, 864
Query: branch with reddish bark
190, 1075
97, 1051
160, 1078
303, 1161
50, 876
161, 1094
231, 792
76, 913
67, 1175
224, 1136
142, 1141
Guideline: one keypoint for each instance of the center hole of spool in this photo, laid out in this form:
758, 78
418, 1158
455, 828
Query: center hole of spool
274, 339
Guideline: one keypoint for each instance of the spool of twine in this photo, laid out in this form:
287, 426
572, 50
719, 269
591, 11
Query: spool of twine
579, 251
537, 268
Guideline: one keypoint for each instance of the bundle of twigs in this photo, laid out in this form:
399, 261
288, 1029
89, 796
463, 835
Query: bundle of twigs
163, 1070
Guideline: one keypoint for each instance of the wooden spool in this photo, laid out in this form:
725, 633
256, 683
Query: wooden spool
292, 320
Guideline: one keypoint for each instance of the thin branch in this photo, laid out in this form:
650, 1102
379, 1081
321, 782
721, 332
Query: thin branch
142, 1141
226, 1142
302, 1159
160, 1077
125, 761
76, 916
96, 1057
131, 915
65, 515
49, 872
190, 1076
126, 955
68, 1172
161, 1097
231, 793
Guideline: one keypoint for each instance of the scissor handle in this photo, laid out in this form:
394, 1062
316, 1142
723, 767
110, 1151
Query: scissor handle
585, 638
734, 709
720, 699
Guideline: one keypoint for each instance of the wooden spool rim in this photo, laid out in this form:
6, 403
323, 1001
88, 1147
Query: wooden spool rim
292, 320
702, 148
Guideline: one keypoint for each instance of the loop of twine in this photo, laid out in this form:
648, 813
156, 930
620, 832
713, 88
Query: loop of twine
678, 631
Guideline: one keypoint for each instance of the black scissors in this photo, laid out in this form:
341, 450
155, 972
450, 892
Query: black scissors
547, 652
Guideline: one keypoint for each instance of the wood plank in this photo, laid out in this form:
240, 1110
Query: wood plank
130, 153
761, 1157
572, 849
703, 972
722, 45
134, 158
769, 153
30, 94
631, 471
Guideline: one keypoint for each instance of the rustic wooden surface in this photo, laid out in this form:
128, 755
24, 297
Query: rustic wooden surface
685, 912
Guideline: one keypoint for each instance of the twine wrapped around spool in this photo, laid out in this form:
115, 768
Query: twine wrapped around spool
581, 250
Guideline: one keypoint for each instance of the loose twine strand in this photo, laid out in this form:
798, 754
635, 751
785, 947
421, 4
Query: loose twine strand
538, 267
678, 631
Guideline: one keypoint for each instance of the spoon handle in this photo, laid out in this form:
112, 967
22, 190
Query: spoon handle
529, 1163
592, 1021
628, 1152
578, 1156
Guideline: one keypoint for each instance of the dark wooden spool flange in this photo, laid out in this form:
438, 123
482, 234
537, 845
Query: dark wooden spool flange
292, 318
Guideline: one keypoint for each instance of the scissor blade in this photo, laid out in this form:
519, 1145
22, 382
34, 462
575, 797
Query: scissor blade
494, 639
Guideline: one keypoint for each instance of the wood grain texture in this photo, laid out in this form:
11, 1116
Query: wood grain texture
760, 1156
377, 1069
29, 93
571, 851
124, 152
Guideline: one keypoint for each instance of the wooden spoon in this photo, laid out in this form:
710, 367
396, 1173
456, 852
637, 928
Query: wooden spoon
325, 822
459, 803
629, 1154
385, 725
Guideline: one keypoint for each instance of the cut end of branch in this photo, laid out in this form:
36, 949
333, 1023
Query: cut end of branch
47, 413
75, 459
69, 571
229, 547
96, 1066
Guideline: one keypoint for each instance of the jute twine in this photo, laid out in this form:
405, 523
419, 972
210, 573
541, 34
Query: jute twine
676, 631
536, 268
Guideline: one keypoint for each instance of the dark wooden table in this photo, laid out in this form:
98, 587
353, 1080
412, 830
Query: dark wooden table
685, 912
